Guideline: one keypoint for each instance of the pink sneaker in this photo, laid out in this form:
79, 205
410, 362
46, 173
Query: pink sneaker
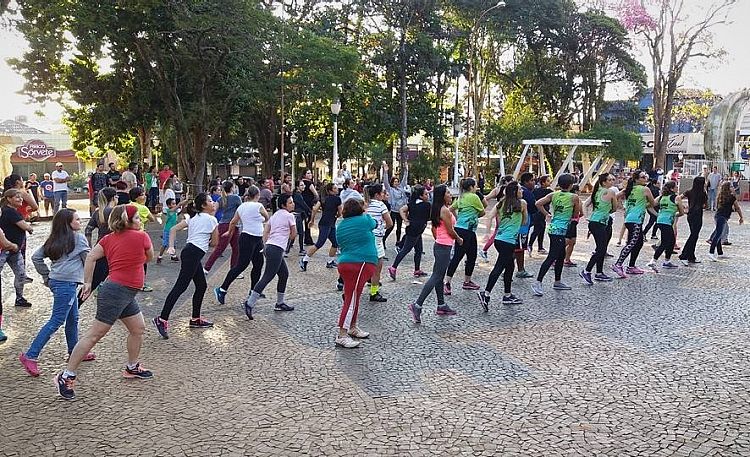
634, 271
86, 358
619, 271
392, 273
29, 365
470, 285
420, 274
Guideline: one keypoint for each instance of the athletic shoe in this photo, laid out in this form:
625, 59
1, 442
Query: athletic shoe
652, 264
537, 289
445, 310
392, 273
162, 327
484, 300
65, 386
283, 307
286, 254
356, 332
712, 257
419, 274
416, 313
248, 309
726, 243
685, 262
28, 280
619, 244
23, 303
511, 300
174, 258
339, 285
346, 342
29, 365
654, 237
586, 276
378, 298
570, 264
694, 261
609, 255
523, 274
470, 285
602, 277
447, 289
147, 288
136, 373
3, 336
201, 322
332, 264
240, 276
634, 271
559, 285
483, 255
619, 271
530, 248
669, 265
302, 265
220, 295
158, 260
722, 256
301, 253
541, 251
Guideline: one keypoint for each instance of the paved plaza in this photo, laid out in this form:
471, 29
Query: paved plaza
657, 365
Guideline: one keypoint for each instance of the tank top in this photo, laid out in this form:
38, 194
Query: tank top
636, 204
443, 237
667, 210
602, 208
509, 226
562, 212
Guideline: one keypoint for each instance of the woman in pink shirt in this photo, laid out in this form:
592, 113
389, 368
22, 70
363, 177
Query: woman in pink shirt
281, 228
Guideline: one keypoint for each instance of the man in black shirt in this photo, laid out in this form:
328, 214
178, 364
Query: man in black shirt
99, 180
538, 220
113, 174
310, 195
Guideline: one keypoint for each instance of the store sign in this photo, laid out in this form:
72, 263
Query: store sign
679, 143
36, 150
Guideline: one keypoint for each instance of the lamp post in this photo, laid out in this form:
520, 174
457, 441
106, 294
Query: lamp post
293, 141
155, 141
335, 110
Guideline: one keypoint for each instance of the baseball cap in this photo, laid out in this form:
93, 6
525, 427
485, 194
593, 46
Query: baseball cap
59, 164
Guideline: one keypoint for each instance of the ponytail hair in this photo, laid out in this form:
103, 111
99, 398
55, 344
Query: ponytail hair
438, 201
105, 197
597, 185
631, 182
668, 188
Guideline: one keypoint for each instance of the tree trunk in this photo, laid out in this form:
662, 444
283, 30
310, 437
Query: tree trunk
144, 140
402, 92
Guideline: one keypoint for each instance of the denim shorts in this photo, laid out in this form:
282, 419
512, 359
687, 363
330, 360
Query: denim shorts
115, 301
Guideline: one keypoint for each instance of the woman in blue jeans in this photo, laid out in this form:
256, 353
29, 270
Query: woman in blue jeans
725, 204
67, 248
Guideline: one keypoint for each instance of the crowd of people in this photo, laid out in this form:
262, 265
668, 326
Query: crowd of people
261, 222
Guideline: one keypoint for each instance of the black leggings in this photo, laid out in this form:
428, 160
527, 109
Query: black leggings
505, 264
540, 223
651, 223
101, 271
298, 218
396, 216
634, 245
190, 270
468, 248
601, 237
411, 241
556, 255
275, 265
667, 242
695, 221
250, 250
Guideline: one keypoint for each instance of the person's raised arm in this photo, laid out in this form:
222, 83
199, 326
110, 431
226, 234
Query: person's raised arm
542, 202
404, 179
232, 226
739, 211
173, 234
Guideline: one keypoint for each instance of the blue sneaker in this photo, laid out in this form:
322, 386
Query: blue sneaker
416, 313
65, 386
162, 327
220, 295
586, 276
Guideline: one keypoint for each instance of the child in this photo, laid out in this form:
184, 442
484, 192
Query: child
127, 248
202, 233
67, 248
170, 211
379, 212
10, 247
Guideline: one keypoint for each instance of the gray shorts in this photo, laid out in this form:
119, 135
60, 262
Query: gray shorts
115, 301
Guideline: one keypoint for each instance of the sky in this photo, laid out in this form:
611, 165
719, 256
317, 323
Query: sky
730, 74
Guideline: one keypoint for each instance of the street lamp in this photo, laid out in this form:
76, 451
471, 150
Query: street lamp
293, 141
335, 110
155, 142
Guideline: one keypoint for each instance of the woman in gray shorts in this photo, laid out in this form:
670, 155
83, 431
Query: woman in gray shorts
127, 248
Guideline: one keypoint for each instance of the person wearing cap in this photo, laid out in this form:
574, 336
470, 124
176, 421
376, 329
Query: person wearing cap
48, 194
60, 180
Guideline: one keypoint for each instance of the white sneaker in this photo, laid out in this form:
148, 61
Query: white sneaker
722, 256
685, 262
712, 257
537, 289
356, 332
346, 342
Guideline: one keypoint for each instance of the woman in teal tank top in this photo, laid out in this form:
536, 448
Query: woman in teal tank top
512, 215
604, 202
670, 208
638, 200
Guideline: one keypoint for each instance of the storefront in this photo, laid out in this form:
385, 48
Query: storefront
24, 156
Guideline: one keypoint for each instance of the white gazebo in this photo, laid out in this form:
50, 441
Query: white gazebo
567, 165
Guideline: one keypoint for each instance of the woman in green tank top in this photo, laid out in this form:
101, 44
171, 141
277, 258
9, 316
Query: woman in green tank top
638, 200
670, 208
604, 202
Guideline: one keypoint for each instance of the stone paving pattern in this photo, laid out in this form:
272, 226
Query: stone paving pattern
656, 365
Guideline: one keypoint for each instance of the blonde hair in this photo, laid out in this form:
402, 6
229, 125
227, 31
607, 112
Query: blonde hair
118, 219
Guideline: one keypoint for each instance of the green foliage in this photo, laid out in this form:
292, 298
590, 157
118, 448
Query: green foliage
625, 144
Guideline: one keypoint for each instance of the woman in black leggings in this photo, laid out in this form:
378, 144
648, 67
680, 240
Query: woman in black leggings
468, 208
416, 214
99, 221
697, 202
604, 202
202, 233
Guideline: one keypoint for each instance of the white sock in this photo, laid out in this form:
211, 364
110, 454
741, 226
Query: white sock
306, 258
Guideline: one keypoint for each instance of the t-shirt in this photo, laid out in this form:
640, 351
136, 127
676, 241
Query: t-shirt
419, 214
143, 213
713, 180
47, 189
280, 225
602, 208
330, 210
468, 207
562, 212
356, 240
170, 218
219, 211
265, 198
509, 226
725, 209
252, 220
126, 253
8, 223
233, 202
59, 186
308, 194
123, 198
200, 228
540, 193
667, 210
635, 206
33, 187
114, 176
99, 181
101, 226
376, 209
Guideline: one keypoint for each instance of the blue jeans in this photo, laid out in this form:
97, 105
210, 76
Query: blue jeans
721, 222
16, 263
61, 198
64, 309
712, 199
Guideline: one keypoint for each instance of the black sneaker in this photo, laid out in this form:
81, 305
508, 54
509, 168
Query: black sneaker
378, 298
484, 300
162, 327
65, 386
248, 309
283, 307
302, 265
332, 264
201, 323
23, 303
339, 285
138, 372
30, 280
511, 300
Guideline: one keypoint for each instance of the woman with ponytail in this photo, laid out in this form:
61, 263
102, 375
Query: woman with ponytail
228, 204
604, 202
638, 201
670, 208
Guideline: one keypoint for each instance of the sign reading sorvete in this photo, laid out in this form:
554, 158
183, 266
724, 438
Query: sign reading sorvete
36, 150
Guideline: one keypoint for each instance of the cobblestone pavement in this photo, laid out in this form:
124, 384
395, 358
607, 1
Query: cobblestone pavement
651, 365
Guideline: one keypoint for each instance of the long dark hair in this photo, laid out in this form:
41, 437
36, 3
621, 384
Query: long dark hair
697, 196
725, 193
597, 185
438, 201
10, 181
416, 193
196, 206
631, 182
511, 202
668, 188
62, 238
